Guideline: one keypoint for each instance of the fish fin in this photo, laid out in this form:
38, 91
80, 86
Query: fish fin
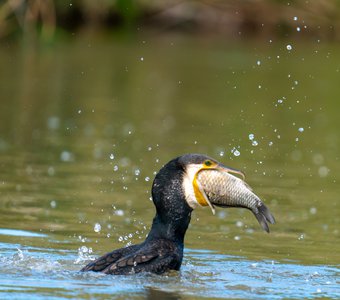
265, 211
263, 216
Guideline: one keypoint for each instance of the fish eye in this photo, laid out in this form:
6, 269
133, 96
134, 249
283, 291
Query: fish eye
208, 163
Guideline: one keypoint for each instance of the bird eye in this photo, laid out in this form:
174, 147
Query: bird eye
208, 163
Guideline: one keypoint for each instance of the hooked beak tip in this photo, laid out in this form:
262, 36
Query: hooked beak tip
226, 169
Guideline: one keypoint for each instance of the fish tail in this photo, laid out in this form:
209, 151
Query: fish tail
263, 215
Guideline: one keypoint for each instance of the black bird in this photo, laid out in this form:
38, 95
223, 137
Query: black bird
181, 185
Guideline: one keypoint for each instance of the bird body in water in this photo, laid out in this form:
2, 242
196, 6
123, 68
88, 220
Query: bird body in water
181, 185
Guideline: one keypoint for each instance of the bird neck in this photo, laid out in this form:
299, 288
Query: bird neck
172, 211
170, 229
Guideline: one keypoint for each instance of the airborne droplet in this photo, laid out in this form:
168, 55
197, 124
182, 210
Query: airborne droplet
97, 227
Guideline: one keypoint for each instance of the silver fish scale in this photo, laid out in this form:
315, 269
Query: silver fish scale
223, 188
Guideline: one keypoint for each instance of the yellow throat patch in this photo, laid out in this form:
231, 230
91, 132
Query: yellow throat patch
199, 193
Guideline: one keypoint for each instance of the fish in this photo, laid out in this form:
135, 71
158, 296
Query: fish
226, 190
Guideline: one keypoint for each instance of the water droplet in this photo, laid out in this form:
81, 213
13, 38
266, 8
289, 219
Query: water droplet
97, 227
254, 143
137, 172
147, 178
251, 136
323, 171
289, 47
301, 129
221, 153
270, 143
237, 238
298, 29
258, 62
236, 152
295, 18
79, 111
50, 171
280, 101
239, 223
142, 58
301, 237
112, 156
119, 212
53, 204
53, 123
20, 254
84, 249
313, 210
115, 168
66, 156
120, 239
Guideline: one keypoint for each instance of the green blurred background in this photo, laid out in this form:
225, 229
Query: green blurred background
239, 19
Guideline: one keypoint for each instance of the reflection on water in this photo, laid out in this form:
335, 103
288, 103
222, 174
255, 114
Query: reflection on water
15, 232
155, 294
85, 126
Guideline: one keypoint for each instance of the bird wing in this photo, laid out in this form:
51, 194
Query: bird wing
108, 259
155, 258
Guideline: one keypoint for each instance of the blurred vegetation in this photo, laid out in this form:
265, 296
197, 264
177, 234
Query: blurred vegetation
232, 18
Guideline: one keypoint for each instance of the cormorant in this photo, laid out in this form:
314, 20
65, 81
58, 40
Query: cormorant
175, 193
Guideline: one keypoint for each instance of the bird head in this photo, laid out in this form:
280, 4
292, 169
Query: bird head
193, 180
194, 164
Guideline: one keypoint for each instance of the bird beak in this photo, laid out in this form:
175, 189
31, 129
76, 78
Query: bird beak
223, 168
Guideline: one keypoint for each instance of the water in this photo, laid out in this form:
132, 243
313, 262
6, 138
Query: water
38, 271
86, 124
